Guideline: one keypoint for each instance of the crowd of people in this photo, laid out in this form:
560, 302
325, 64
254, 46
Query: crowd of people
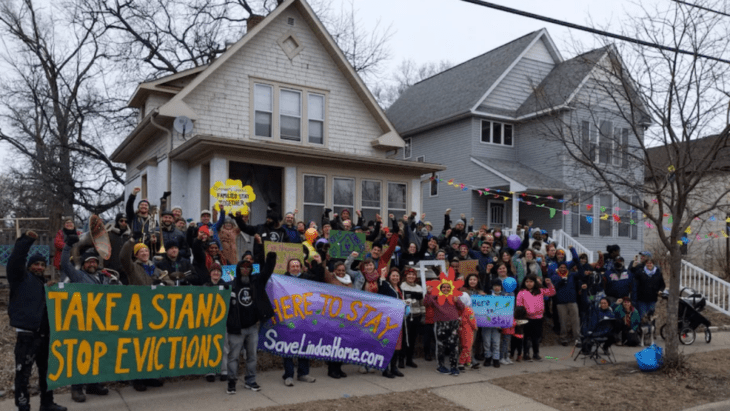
168, 249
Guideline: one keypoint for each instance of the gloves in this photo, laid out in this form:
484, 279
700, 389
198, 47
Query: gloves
71, 240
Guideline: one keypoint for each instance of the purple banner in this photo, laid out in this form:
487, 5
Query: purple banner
331, 323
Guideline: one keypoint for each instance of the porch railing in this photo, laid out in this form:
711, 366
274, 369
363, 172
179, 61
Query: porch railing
564, 241
715, 290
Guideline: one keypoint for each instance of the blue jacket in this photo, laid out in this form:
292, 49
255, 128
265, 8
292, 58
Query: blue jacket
618, 285
566, 289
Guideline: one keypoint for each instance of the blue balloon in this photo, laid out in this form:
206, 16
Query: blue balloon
509, 284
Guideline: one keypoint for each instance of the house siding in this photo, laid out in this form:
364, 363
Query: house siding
223, 100
516, 86
537, 148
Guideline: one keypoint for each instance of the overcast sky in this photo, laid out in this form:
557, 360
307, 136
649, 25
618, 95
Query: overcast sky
434, 30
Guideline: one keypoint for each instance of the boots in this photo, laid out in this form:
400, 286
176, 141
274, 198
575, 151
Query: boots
394, 368
401, 362
77, 394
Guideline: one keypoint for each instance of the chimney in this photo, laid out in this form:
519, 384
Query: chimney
253, 20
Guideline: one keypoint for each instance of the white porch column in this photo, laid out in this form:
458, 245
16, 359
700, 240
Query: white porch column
415, 198
218, 170
515, 207
179, 188
191, 207
290, 191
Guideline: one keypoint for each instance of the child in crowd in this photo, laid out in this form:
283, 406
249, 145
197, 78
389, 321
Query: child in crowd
466, 333
518, 334
506, 339
531, 297
446, 318
491, 335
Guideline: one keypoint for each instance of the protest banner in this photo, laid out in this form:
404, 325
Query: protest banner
284, 252
468, 267
105, 333
232, 195
331, 323
343, 243
493, 311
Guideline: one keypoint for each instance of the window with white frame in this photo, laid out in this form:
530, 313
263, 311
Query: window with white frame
586, 227
621, 147
407, 148
494, 132
343, 195
315, 112
434, 186
297, 115
605, 145
421, 159
397, 201
370, 203
263, 109
314, 197
290, 115
606, 209
624, 228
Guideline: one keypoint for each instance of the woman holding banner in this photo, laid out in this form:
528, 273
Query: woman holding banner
413, 295
341, 277
390, 287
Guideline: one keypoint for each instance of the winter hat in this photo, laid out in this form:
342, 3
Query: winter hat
202, 213
144, 200
612, 248
167, 212
386, 230
454, 240
210, 243
563, 263
119, 217
204, 229
171, 243
459, 221
271, 212
138, 247
289, 213
215, 266
246, 253
645, 254
229, 220
176, 208
428, 223
89, 255
36, 258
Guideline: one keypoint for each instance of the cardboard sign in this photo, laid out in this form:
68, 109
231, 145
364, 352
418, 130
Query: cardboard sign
233, 196
229, 272
103, 333
493, 311
343, 243
284, 252
468, 267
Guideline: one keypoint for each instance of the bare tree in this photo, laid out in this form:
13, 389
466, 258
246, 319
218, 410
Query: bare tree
407, 74
49, 106
661, 98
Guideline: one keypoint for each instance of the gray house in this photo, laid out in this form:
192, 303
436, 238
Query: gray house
502, 121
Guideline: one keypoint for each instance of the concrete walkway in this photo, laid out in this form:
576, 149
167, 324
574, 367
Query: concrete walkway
471, 390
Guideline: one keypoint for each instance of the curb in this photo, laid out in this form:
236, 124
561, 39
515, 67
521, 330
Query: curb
719, 328
715, 406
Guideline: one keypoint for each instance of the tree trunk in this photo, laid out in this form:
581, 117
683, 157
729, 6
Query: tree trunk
671, 351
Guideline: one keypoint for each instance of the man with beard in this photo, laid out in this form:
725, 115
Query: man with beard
140, 219
290, 227
249, 306
89, 274
270, 230
170, 233
119, 232
178, 268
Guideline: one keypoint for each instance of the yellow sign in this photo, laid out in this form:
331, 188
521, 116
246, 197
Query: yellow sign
233, 196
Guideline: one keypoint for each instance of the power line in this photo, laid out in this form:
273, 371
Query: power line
592, 30
701, 7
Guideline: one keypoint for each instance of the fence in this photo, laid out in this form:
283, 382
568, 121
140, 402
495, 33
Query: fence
565, 241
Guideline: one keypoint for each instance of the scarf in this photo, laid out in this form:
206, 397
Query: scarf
627, 317
650, 272
371, 277
344, 279
563, 274
149, 269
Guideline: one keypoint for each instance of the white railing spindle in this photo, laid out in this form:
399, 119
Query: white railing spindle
715, 290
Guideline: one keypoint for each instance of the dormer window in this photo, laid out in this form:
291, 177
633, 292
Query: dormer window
494, 132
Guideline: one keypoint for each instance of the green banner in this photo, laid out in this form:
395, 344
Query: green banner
105, 333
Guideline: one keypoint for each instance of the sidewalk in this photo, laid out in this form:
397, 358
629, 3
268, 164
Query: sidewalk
471, 390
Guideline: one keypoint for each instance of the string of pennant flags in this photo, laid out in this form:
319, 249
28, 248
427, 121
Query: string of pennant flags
605, 216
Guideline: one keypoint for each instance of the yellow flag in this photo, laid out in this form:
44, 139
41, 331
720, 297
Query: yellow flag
688, 230
604, 217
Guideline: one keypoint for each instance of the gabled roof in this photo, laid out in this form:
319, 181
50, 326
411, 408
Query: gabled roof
561, 84
697, 153
161, 85
454, 92
516, 172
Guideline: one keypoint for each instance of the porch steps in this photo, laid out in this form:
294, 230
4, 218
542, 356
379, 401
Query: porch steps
564, 241
715, 290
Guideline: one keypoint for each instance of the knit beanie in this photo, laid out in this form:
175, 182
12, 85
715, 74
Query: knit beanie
454, 240
204, 229
138, 247
35, 258
459, 221
215, 266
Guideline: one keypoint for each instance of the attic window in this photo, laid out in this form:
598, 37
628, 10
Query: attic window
290, 44
290, 21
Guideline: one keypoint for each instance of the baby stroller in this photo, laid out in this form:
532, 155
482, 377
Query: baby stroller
598, 335
690, 307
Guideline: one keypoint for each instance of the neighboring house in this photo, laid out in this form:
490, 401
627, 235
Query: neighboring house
283, 111
494, 122
706, 246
